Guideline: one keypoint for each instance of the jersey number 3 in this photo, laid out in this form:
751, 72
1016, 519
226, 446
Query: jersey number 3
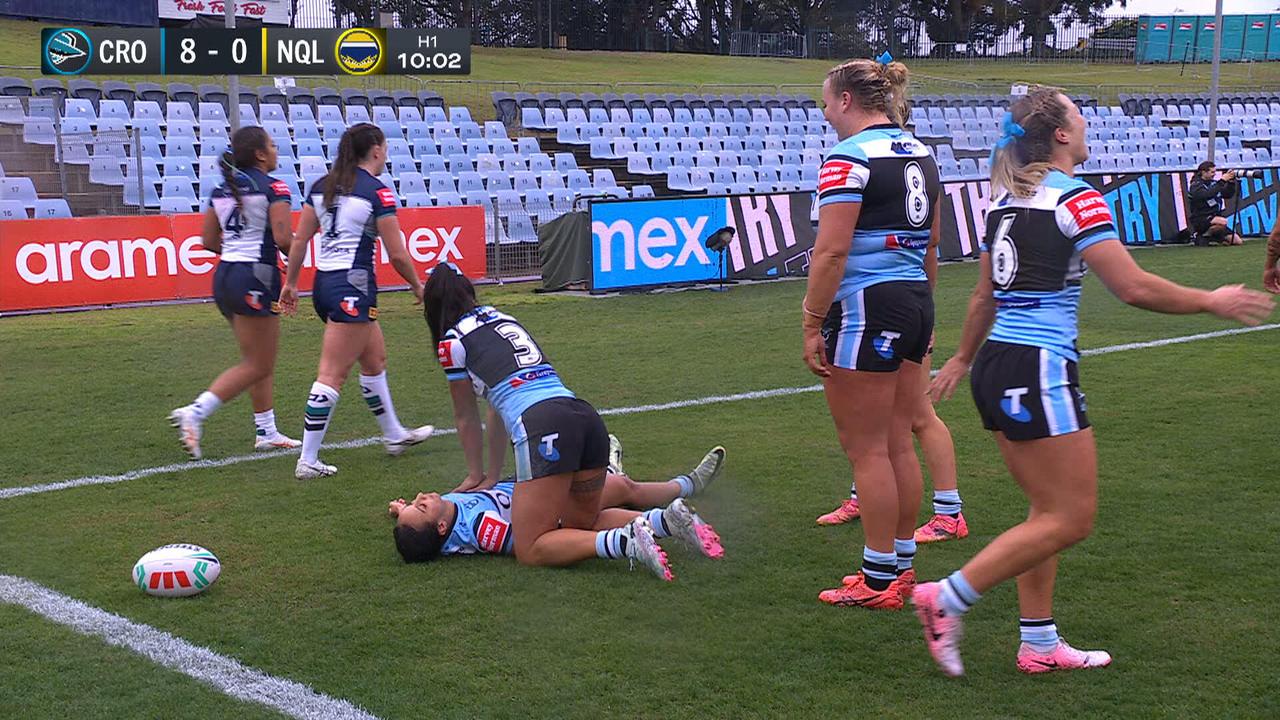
526, 350
1004, 254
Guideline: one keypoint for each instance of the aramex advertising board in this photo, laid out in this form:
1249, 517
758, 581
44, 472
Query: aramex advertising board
635, 243
96, 261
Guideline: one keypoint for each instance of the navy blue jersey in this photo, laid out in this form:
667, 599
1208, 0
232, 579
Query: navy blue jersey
483, 524
896, 179
1036, 268
503, 362
246, 228
349, 227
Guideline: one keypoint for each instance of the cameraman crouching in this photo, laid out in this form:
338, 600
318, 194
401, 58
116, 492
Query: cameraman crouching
1206, 201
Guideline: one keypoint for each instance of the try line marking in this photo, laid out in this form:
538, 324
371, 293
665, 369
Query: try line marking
181, 467
218, 671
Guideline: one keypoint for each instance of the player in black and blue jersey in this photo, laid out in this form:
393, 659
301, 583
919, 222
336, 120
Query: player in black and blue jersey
247, 220
351, 209
868, 311
479, 521
1043, 230
561, 444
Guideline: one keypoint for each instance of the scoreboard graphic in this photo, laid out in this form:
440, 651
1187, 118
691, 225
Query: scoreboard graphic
250, 51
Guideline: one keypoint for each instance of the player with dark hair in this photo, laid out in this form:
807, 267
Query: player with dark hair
1043, 227
561, 444
246, 221
479, 521
351, 209
868, 312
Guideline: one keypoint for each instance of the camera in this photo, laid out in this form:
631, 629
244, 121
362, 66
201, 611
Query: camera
1252, 173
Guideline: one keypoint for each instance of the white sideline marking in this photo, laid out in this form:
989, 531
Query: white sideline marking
6, 493
219, 671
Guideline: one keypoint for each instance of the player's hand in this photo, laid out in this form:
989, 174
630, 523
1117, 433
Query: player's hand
1236, 302
470, 482
945, 382
815, 352
395, 506
1271, 280
1229, 175
288, 300
417, 294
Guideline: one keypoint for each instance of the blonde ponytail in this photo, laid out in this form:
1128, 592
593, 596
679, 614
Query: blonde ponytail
877, 85
1021, 158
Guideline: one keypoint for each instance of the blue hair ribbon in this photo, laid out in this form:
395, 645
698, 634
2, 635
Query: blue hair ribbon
1010, 131
885, 58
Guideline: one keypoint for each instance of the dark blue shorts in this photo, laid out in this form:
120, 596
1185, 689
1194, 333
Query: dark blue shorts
346, 296
247, 288
878, 327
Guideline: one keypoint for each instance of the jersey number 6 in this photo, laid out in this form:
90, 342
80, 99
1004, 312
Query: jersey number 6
1004, 254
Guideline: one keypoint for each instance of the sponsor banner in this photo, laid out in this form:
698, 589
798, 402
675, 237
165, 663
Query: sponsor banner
637, 243
1147, 208
272, 12
81, 262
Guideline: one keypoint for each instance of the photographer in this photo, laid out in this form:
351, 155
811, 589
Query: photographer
1206, 198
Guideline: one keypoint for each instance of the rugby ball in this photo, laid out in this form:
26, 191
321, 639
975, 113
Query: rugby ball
176, 570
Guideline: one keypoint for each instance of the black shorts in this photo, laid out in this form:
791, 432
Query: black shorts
1027, 392
346, 295
557, 436
247, 288
878, 327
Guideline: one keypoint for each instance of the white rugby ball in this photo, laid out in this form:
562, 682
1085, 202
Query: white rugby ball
177, 570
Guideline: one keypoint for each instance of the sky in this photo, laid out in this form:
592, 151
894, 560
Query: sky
1192, 7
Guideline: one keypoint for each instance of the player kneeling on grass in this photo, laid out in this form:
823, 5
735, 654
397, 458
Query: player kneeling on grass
561, 444
479, 521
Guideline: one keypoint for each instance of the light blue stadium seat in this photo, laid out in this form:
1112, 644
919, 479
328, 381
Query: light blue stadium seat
11, 210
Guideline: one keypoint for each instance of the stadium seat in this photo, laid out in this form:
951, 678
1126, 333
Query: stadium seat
174, 205
150, 198
11, 210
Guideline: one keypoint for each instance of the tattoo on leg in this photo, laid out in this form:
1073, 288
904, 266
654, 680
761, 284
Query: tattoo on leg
586, 486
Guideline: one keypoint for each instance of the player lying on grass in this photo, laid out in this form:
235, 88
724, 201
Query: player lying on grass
479, 521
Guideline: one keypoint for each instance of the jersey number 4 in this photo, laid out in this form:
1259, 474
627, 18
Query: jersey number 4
526, 350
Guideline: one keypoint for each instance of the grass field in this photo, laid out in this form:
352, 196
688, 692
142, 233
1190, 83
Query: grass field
553, 70
1177, 581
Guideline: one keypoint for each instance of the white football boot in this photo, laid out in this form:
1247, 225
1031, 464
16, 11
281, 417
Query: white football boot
310, 471
411, 438
707, 470
279, 441
615, 455
685, 525
188, 424
642, 546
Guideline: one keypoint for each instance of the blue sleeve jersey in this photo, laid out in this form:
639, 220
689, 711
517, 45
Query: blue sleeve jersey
349, 227
1036, 267
502, 361
896, 179
246, 228
483, 523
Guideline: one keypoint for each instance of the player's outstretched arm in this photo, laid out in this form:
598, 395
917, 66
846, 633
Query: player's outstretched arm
467, 417
1137, 287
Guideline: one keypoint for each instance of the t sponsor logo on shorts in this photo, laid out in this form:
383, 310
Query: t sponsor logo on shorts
884, 344
253, 299
1012, 404
349, 305
547, 446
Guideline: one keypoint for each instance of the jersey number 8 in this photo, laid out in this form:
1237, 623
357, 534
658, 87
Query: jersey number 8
917, 195
526, 350
1004, 254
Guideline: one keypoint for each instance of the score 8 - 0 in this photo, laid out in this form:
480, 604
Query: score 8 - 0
239, 50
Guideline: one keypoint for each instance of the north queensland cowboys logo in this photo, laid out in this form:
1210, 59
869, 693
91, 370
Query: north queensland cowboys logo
1012, 405
359, 51
67, 51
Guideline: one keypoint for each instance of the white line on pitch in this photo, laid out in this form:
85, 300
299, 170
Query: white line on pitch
6, 493
219, 671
